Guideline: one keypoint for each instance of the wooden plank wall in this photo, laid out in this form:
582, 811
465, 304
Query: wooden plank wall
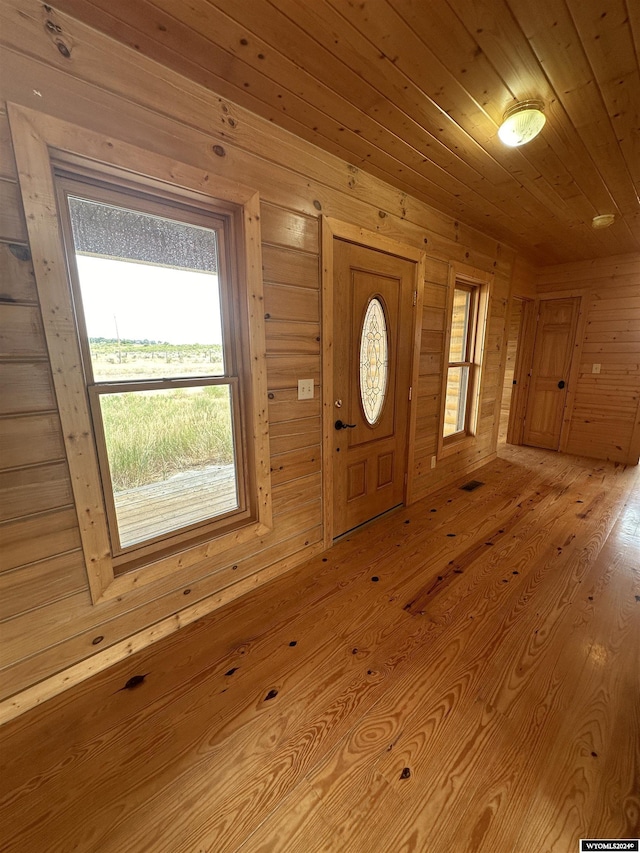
605, 420
515, 324
523, 279
433, 362
48, 620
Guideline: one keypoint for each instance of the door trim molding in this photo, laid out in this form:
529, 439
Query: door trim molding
335, 229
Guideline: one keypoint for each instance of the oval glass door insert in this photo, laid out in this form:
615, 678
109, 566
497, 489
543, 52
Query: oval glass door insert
374, 361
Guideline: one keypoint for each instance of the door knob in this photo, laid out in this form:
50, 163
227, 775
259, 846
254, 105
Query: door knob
340, 425
561, 384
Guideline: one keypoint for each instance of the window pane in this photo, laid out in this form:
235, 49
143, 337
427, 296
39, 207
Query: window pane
374, 359
171, 457
150, 293
460, 325
456, 401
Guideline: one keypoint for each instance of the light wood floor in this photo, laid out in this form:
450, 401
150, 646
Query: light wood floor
462, 676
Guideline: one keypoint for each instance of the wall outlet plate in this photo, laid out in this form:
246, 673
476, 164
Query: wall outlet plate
305, 389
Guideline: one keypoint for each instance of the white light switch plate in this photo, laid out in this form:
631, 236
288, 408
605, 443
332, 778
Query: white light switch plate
595, 368
305, 389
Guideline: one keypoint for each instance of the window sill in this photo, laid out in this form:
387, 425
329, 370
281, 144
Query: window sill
214, 550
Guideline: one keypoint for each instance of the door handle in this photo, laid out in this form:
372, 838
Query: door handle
339, 425
561, 384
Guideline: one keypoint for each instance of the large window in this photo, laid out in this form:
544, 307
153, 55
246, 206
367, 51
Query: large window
462, 364
151, 281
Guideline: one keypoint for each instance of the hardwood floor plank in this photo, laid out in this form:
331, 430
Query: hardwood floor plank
446, 658
407, 690
298, 825
566, 799
515, 770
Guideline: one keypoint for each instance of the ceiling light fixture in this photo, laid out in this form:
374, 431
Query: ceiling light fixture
521, 123
604, 220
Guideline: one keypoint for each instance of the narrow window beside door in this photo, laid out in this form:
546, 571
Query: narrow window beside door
465, 343
460, 371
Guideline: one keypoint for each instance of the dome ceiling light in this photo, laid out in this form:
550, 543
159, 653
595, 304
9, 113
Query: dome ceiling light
522, 122
604, 220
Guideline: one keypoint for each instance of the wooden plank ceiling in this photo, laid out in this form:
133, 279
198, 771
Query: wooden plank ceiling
413, 92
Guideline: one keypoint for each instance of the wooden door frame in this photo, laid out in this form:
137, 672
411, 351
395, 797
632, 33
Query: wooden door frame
335, 229
580, 293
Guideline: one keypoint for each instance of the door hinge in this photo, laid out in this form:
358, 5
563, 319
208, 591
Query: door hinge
415, 298
410, 391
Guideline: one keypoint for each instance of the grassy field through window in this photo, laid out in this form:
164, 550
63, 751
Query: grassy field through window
154, 435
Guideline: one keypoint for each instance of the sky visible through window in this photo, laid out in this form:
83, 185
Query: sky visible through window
137, 302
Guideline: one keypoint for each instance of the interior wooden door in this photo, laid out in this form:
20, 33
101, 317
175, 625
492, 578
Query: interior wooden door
373, 298
553, 348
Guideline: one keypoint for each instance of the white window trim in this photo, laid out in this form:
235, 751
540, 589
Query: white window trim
37, 138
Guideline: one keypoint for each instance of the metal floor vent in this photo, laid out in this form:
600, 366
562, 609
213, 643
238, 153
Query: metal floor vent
471, 485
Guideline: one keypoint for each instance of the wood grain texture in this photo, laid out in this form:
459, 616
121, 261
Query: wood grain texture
30, 494
605, 404
7, 160
37, 584
29, 440
24, 491
459, 674
12, 224
37, 537
125, 97
17, 282
21, 333
26, 387
416, 99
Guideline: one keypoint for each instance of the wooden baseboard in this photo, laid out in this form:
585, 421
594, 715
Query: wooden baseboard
35, 695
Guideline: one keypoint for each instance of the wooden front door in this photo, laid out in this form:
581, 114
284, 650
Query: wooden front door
553, 348
373, 298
